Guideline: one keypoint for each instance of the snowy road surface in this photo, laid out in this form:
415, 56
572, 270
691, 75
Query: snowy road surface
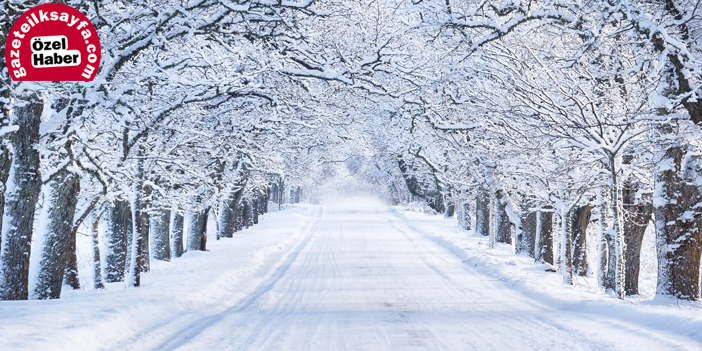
361, 278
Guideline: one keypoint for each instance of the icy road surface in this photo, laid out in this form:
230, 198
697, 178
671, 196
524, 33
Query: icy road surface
360, 278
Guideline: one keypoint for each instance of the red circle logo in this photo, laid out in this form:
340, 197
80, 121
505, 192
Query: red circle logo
52, 42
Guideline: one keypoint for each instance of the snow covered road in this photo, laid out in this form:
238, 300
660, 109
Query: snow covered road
356, 277
362, 280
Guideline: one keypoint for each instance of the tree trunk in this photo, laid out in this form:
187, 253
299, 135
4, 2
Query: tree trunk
247, 215
144, 216
678, 224
227, 217
482, 212
295, 194
266, 199
97, 269
611, 273
503, 227
5, 164
136, 244
60, 207
160, 233
464, 219
617, 224
11, 11
580, 218
677, 194
637, 214
262, 203
197, 231
528, 240
274, 192
281, 188
450, 209
545, 242
240, 216
119, 226
603, 242
229, 213
566, 247
492, 242
254, 205
177, 233
24, 185
70, 274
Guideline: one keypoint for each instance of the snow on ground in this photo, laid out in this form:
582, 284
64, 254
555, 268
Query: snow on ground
354, 275
197, 283
522, 274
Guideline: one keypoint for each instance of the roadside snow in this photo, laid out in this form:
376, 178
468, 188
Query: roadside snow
531, 279
196, 283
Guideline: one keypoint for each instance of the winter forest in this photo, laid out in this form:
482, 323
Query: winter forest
562, 131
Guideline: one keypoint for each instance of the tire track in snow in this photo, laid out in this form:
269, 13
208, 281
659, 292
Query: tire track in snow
268, 326
184, 335
368, 280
